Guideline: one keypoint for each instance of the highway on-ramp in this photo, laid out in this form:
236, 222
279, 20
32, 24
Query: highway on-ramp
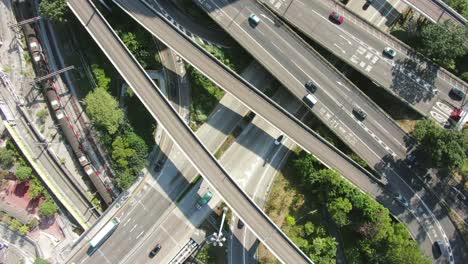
160, 108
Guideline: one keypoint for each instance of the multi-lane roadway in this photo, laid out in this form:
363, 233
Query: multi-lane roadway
395, 173
206, 164
408, 76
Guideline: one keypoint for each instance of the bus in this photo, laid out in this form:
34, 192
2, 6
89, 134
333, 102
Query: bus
104, 233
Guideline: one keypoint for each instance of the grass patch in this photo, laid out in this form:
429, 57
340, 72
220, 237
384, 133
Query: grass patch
205, 97
189, 188
228, 142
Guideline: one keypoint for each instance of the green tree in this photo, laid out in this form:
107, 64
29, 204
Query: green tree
323, 250
36, 188
125, 179
15, 224
55, 10
23, 230
104, 110
122, 152
41, 261
135, 42
137, 161
444, 42
7, 157
291, 220
23, 173
307, 167
48, 208
102, 80
339, 209
446, 148
464, 76
460, 5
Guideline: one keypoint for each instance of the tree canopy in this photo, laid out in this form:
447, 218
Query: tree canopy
104, 110
7, 157
129, 154
377, 237
445, 147
444, 42
36, 188
339, 209
48, 208
102, 80
55, 10
460, 5
23, 173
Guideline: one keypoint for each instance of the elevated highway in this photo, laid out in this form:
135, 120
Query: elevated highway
267, 232
409, 76
396, 172
436, 10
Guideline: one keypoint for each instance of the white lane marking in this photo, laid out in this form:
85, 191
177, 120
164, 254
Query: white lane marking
341, 49
440, 118
347, 40
271, 20
127, 221
139, 235
133, 228
342, 85
445, 108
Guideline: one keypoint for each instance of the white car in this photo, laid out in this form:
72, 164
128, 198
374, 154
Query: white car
389, 52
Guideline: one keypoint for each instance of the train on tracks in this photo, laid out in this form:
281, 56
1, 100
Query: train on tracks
24, 11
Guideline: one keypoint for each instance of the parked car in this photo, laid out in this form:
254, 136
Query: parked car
310, 86
204, 200
240, 224
155, 251
278, 140
337, 18
389, 52
254, 20
359, 113
457, 94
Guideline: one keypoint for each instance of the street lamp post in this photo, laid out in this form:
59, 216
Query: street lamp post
217, 238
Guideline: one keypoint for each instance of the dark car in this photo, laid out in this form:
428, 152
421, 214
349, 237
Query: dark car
441, 248
310, 86
336, 17
457, 94
155, 251
278, 140
359, 113
240, 224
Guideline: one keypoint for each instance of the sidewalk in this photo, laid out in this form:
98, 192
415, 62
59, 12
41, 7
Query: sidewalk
24, 245
15, 201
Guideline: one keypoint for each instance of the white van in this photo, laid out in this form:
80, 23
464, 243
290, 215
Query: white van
310, 100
